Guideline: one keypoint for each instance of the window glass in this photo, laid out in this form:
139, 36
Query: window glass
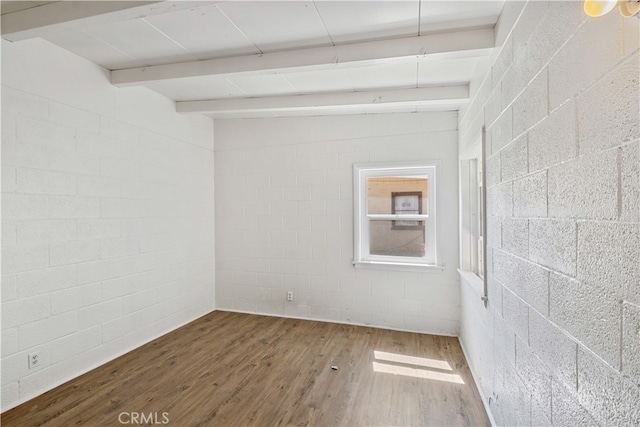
388, 194
385, 239
395, 214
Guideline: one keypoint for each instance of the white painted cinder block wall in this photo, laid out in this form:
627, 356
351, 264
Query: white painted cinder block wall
560, 340
284, 219
107, 217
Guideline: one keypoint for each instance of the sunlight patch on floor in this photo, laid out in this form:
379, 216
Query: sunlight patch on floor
416, 367
411, 360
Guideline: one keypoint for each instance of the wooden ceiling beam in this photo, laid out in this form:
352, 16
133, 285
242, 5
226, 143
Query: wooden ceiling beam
440, 95
449, 45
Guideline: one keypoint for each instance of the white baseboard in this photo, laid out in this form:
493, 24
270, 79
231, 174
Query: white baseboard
340, 322
475, 380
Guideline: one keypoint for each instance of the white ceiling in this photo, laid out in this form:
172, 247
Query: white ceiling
275, 58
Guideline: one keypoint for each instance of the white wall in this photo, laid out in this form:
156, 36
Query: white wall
284, 219
107, 217
560, 340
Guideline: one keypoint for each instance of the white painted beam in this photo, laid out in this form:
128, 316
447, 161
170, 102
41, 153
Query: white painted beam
439, 95
452, 44
73, 15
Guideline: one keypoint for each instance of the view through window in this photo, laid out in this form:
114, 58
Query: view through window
395, 218
399, 196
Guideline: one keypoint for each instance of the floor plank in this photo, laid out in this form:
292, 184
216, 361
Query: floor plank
232, 369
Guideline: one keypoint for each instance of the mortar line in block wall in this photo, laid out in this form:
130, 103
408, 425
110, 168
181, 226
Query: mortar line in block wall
577, 240
546, 182
549, 92
621, 341
577, 350
577, 125
488, 74
619, 189
544, 66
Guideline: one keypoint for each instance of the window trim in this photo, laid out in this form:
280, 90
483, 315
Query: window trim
472, 202
361, 219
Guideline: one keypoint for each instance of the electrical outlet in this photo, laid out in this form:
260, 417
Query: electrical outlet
34, 359
290, 296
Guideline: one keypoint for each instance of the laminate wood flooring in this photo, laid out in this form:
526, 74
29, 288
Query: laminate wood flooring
232, 369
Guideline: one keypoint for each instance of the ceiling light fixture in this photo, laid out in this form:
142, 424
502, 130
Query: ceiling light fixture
596, 8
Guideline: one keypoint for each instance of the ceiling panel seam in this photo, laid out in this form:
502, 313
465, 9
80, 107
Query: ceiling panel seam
240, 30
167, 36
107, 43
419, 17
333, 43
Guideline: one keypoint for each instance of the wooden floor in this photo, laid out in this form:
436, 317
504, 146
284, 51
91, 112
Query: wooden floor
230, 369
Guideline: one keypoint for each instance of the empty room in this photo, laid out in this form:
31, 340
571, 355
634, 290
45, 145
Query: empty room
320, 212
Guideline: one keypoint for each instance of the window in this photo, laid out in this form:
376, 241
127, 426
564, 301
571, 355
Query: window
395, 214
480, 225
476, 207
472, 201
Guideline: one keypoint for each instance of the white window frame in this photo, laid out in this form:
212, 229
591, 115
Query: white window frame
479, 268
473, 226
363, 171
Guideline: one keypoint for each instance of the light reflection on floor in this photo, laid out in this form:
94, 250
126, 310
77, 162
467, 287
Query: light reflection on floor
416, 367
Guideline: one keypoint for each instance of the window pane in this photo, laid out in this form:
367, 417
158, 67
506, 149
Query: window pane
386, 238
399, 195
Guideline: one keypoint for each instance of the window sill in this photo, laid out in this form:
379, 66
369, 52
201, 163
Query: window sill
405, 266
475, 282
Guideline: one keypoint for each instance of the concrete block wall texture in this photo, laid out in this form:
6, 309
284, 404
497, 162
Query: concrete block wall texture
284, 219
561, 108
107, 218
